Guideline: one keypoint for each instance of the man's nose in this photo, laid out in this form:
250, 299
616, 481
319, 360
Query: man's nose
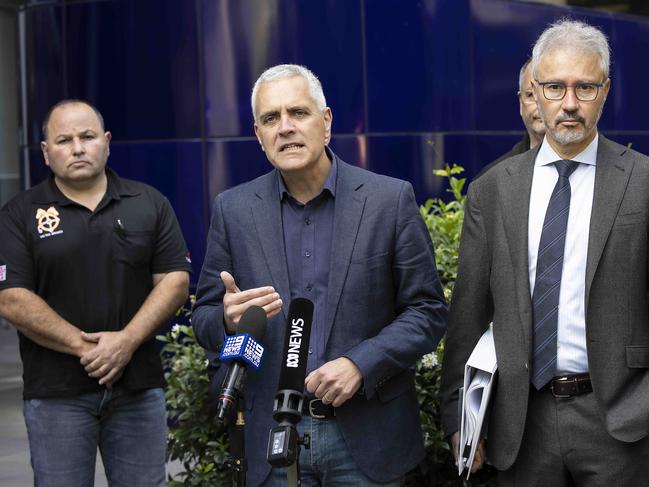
570, 102
286, 124
77, 146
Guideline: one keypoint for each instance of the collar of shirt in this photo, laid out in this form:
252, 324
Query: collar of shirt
329, 185
116, 188
547, 155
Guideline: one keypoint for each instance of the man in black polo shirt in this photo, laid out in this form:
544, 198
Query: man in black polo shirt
91, 265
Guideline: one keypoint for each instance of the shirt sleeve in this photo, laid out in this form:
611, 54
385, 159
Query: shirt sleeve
170, 252
16, 263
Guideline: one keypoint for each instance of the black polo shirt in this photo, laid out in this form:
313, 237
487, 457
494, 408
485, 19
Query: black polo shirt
93, 268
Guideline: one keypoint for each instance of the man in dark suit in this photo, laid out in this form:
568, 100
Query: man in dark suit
554, 252
354, 243
534, 126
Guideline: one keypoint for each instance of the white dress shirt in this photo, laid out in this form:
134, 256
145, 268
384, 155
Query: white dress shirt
572, 356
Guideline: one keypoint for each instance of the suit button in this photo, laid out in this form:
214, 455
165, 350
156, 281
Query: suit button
526, 366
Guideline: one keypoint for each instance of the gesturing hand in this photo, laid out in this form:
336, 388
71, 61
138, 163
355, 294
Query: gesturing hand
236, 302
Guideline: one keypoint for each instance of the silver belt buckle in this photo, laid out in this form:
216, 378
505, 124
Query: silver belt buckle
312, 413
562, 379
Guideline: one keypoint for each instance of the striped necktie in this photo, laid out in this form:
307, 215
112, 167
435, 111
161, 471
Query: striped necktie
549, 265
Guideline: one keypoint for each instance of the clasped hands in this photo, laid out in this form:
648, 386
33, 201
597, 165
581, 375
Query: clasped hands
334, 382
106, 354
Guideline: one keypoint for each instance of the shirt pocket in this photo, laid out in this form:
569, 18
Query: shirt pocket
133, 247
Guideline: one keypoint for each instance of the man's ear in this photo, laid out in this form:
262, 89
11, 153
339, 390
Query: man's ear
44, 151
259, 138
328, 119
606, 87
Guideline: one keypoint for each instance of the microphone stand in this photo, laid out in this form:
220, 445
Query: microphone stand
237, 460
293, 472
284, 441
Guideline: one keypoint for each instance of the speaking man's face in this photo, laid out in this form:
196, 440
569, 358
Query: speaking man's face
571, 123
291, 129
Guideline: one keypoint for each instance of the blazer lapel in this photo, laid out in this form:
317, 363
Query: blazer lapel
349, 205
611, 178
516, 182
267, 216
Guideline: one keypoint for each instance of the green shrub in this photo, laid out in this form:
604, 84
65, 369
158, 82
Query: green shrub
194, 438
444, 223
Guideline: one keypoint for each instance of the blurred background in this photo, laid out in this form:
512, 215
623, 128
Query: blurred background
412, 84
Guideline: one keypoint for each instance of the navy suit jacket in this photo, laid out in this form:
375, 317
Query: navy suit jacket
385, 309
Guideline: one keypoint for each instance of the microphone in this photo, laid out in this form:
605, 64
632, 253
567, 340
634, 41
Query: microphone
283, 439
241, 350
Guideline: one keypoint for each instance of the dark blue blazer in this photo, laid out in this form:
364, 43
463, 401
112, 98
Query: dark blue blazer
385, 309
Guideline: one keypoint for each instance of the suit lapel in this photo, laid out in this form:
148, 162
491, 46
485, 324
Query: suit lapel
267, 216
516, 182
611, 178
349, 205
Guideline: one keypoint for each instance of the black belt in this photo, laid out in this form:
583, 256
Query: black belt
570, 385
317, 409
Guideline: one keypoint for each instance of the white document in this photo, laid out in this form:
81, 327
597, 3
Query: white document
479, 378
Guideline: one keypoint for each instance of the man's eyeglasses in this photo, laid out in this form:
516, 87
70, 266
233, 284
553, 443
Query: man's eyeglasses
554, 90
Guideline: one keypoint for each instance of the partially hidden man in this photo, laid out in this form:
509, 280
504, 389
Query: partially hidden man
91, 265
554, 252
352, 242
534, 126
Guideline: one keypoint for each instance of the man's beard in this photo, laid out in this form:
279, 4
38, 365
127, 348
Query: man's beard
570, 135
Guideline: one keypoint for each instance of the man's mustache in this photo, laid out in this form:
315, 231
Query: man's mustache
573, 117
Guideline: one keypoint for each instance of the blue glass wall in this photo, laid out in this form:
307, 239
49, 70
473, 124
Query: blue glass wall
412, 84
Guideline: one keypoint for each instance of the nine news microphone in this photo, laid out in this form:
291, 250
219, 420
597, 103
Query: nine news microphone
283, 439
241, 350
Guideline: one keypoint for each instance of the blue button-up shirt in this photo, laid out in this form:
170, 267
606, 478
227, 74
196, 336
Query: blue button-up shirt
308, 230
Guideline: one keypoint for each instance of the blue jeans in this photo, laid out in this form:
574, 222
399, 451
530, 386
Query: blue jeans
328, 462
128, 427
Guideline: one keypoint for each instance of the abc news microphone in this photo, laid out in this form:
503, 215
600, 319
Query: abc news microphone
283, 439
242, 350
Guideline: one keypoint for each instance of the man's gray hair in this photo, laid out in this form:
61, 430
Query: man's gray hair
576, 35
283, 71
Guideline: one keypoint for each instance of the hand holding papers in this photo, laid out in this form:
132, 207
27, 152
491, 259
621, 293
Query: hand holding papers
479, 373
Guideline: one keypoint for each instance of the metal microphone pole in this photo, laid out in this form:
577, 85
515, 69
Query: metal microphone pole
238, 460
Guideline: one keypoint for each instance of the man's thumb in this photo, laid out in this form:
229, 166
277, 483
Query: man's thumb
228, 282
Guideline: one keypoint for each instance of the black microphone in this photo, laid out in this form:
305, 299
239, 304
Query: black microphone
241, 350
283, 439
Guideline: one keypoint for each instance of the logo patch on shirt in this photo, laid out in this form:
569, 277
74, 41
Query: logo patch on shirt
3, 272
48, 222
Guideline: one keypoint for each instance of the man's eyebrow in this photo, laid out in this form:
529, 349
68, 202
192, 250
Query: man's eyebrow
269, 112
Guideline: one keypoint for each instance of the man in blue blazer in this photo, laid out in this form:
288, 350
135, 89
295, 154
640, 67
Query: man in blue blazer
352, 242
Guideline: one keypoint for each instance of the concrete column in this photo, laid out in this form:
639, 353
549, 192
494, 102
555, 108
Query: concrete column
9, 106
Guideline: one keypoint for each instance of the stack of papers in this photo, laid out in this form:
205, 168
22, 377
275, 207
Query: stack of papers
479, 378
